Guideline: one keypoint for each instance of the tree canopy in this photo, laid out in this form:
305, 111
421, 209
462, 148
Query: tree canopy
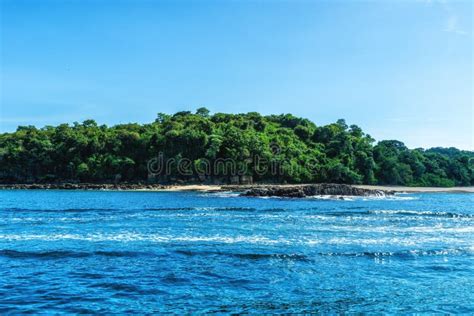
302, 152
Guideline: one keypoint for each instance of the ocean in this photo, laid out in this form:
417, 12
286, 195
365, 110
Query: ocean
193, 252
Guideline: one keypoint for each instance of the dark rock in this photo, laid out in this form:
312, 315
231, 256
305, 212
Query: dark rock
82, 186
299, 191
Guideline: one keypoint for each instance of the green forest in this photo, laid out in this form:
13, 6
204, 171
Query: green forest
306, 153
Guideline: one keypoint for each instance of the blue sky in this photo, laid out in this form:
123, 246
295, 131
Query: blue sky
399, 69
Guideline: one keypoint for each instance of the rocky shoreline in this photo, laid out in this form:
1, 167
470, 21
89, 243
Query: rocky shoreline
82, 186
277, 190
283, 190
301, 191
262, 190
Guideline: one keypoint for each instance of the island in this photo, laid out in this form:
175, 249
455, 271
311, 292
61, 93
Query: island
198, 148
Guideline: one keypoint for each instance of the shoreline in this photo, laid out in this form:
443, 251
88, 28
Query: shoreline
216, 187
403, 189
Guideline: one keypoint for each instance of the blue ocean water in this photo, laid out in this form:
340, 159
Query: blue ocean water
151, 252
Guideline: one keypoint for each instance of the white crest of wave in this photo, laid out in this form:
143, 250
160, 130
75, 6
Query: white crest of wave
224, 194
134, 237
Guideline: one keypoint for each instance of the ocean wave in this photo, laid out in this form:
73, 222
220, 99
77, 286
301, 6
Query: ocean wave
128, 237
390, 198
439, 229
401, 254
348, 198
404, 254
421, 213
222, 194
50, 219
403, 240
349, 212
133, 237
246, 256
83, 210
65, 210
116, 286
217, 208
364, 198
60, 254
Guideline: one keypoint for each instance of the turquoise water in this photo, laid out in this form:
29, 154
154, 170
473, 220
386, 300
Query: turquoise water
144, 252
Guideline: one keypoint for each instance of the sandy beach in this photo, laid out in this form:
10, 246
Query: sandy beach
215, 188
209, 188
192, 187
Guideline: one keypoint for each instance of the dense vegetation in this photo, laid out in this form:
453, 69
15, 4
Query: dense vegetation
303, 151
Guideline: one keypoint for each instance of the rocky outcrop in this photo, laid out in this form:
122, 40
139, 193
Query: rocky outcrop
292, 191
300, 191
83, 186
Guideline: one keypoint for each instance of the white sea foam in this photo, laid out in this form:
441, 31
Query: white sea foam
390, 198
224, 194
439, 229
423, 213
410, 212
382, 240
133, 237
362, 198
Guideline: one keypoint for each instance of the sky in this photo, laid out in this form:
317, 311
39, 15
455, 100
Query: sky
398, 69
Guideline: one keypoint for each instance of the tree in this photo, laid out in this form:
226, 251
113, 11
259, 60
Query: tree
294, 150
203, 112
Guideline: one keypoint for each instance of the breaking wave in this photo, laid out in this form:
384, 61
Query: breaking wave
404, 254
421, 213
